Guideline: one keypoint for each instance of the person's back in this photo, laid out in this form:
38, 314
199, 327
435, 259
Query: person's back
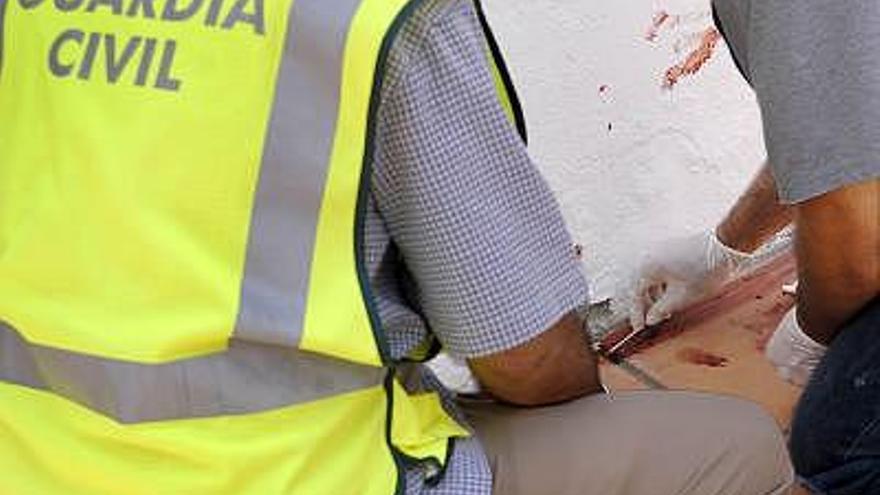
181, 308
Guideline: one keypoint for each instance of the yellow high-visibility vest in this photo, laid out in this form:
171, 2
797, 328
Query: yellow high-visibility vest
183, 302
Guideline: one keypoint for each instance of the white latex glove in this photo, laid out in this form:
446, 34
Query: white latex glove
794, 354
676, 274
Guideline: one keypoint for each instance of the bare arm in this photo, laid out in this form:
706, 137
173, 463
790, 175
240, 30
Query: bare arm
838, 249
557, 366
756, 216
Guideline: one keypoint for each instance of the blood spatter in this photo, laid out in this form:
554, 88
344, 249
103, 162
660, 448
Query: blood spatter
695, 60
660, 19
700, 357
605, 93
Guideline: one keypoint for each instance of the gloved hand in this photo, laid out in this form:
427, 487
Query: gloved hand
676, 274
794, 354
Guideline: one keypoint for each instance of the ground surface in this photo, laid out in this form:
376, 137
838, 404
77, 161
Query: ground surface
716, 346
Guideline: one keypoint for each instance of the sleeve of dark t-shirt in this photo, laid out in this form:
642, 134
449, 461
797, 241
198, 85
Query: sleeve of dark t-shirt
814, 67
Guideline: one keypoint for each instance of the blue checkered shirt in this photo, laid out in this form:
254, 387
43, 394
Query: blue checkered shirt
464, 239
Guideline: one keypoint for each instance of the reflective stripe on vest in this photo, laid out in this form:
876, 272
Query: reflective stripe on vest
295, 262
246, 378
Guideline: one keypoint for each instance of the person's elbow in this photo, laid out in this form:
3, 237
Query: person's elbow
838, 250
557, 366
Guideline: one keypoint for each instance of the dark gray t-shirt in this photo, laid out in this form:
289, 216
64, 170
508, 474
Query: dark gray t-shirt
815, 67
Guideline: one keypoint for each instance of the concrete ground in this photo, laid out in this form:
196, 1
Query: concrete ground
716, 346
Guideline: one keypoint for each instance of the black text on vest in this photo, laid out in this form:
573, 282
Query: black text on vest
136, 56
140, 60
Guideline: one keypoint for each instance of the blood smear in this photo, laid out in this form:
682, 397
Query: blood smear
660, 18
700, 357
695, 60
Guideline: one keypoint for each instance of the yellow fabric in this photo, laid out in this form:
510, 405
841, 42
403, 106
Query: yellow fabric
421, 427
103, 220
109, 209
501, 88
49, 446
336, 319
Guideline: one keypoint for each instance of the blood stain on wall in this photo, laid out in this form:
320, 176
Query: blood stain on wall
695, 60
606, 97
605, 93
661, 18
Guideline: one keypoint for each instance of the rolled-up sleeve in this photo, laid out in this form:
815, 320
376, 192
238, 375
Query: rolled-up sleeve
478, 229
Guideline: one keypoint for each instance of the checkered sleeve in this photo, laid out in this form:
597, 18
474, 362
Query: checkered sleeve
478, 228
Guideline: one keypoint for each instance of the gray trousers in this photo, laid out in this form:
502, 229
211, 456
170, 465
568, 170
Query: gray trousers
634, 443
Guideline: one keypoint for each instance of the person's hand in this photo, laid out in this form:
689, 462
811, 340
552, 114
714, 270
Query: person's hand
677, 274
794, 354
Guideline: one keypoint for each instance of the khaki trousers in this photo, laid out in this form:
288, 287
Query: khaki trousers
634, 443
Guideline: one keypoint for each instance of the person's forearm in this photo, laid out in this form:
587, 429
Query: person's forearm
838, 250
756, 216
557, 366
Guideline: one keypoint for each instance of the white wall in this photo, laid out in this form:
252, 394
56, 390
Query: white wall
673, 161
